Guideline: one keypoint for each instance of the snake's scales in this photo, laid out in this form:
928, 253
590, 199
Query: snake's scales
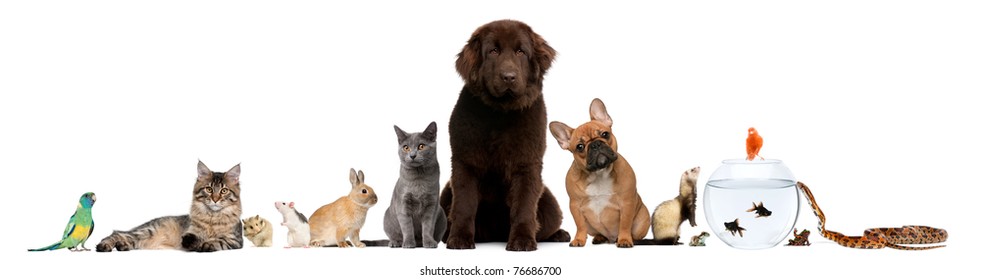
877, 238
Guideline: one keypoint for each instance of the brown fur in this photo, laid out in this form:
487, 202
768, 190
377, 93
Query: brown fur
258, 230
601, 178
497, 140
334, 223
203, 230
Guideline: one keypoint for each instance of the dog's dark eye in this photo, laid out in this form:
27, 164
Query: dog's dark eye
405, 148
519, 52
605, 135
495, 51
580, 147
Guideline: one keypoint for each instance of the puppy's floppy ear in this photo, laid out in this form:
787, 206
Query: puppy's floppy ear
543, 56
562, 133
470, 58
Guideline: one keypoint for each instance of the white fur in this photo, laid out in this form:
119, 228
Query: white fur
667, 218
299, 232
599, 190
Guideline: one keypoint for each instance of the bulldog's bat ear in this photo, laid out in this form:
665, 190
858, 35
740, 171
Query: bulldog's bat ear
597, 112
562, 133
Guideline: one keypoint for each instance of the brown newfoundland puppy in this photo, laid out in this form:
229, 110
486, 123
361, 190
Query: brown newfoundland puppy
497, 139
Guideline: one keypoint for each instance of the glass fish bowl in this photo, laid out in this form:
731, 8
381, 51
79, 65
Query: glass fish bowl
751, 204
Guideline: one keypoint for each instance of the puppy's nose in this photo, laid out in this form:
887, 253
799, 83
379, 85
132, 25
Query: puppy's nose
508, 77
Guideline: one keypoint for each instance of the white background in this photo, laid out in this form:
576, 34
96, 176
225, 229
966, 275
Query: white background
872, 103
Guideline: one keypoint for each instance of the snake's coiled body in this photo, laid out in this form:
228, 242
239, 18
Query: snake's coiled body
877, 238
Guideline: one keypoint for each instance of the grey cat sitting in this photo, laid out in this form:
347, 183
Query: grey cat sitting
414, 215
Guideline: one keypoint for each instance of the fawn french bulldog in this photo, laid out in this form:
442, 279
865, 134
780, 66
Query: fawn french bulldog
602, 186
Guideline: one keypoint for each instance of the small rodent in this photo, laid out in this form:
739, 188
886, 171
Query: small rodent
258, 230
334, 223
669, 215
296, 222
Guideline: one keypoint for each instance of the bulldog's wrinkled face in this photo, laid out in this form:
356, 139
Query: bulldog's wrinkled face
593, 145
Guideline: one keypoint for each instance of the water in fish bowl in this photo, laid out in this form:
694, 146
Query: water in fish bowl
751, 213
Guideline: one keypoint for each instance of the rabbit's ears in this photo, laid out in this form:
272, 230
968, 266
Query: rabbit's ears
357, 178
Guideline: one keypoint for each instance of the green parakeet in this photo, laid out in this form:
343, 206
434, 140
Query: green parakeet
79, 227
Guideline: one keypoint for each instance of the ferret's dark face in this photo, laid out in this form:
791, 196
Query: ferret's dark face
691, 175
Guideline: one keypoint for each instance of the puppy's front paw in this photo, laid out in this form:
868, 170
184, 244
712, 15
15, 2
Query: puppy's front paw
600, 239
523, 244
625, 243
460, 243
559, 236
578, 243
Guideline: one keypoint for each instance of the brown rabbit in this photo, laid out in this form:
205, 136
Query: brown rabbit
333, 223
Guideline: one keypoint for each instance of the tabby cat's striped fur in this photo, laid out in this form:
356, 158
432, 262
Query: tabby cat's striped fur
213, 224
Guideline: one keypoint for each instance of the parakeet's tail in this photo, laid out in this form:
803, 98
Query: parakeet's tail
55, 246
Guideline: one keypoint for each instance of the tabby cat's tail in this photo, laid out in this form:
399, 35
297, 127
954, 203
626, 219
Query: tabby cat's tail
159, 233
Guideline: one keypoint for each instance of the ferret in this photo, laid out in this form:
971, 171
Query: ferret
258, 230
296, 222
668, 216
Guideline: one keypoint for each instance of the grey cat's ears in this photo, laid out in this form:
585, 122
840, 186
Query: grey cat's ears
597, 112
203, 170
430, 133
357, 178
401, 134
